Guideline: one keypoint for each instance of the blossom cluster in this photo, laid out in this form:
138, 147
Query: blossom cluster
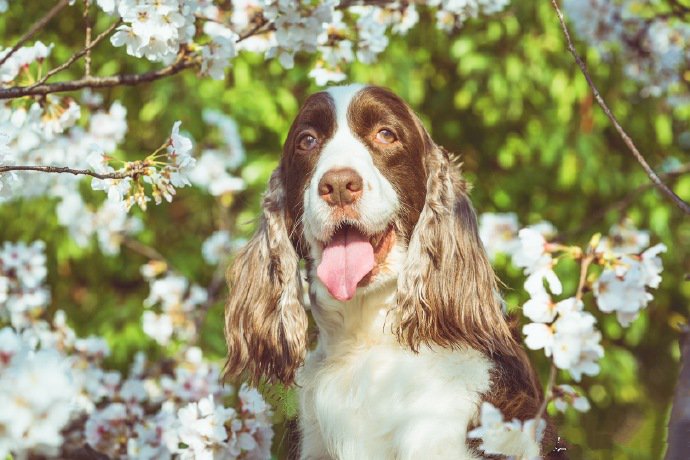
176, 298
154, 30
21, 59
46, 135
653, 48
562, 327
22, 276
164, 170
166, 30
37, 396
513, 437
56, 395
214, 168
630, 267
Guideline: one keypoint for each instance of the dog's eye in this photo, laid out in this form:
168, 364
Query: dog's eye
385, 136
307, 142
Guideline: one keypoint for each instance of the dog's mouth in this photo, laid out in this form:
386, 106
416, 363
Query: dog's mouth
351, 259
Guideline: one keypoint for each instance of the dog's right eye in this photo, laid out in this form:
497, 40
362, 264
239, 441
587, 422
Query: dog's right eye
307, 142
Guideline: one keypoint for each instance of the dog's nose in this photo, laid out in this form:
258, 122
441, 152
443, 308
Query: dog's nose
340, 187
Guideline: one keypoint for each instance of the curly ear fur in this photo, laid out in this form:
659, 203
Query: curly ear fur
447, 292
265, 321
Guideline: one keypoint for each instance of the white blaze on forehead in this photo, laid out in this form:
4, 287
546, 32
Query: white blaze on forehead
379, 201
342, 96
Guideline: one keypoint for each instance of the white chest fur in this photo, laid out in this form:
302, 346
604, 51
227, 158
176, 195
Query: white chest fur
363, 396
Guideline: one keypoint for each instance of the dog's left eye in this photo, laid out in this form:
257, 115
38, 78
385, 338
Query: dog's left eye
386, 136
307, 142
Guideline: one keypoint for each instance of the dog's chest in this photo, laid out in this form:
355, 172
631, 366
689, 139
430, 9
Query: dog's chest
381, 401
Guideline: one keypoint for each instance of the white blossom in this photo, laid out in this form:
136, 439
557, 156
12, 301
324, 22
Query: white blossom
217, 55
22, 275
624, 239
202, 427
37, 397
566, 395
453, 13
498, 232
512, 438
572, 339
322, 76
297, 27
216, 247
622, 288
153, 30
158, 326
654, 50
531, 254
23, 57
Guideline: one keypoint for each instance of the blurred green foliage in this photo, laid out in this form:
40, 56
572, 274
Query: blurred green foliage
502, 92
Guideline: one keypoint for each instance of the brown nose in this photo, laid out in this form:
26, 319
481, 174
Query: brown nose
340, 187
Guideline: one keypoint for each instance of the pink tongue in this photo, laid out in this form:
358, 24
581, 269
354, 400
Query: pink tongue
346, 260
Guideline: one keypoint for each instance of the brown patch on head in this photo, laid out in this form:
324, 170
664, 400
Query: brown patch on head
316, 118
401, 162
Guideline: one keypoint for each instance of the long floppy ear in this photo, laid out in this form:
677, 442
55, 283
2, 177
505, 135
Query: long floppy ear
265, 321
447, 292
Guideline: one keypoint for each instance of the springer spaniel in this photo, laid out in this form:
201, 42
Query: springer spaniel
412, 337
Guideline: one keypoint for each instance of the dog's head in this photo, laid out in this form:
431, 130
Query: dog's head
366, 197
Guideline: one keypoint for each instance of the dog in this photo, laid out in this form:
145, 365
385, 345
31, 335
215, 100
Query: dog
412, 337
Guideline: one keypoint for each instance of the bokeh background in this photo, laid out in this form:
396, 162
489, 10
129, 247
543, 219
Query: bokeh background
504, 94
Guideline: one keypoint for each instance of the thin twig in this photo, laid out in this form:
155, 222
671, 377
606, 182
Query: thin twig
35, 28
98, 82
78, 54
584, 266
143, 249
254, 30
547, 398
685, 207
87, 39
586, 261
66, 170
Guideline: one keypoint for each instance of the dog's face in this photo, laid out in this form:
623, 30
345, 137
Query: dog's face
355, 185
366, 197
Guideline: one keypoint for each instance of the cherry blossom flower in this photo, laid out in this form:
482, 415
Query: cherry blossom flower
565, 396
217, 247
202, 427
323, 76
622, 287
36, 397
653, 49
624, 239
537, 262
158, 326
572, 340
498, 232
512, 438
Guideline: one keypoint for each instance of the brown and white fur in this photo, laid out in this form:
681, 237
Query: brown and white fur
401, 368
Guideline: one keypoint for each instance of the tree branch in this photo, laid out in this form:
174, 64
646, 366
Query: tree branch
143, 249
98, 82
35, 28
658, 183
87, 38
586, 261
65, 169
78, 54
679, 424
